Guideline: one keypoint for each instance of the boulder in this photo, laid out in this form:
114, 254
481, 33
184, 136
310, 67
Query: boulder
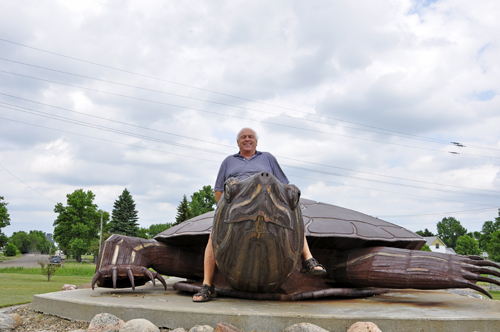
304, 327
6, 322
104, 322
225, 327
139, 325
17, 319
179, 329
363, 327
201, 328
69, 287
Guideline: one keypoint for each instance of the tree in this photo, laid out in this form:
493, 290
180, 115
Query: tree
153, 230
21, 241
77, 223
489, 227
425, 233
493, 248
467, 245
4, 221
183, 211
124, 216
48, 269
425, 248
10, 249
449, 230
202, 201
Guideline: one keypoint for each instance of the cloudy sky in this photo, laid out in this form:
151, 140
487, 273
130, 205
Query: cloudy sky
360, 101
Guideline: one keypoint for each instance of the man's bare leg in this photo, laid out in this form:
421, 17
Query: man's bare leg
208, 265
306, 253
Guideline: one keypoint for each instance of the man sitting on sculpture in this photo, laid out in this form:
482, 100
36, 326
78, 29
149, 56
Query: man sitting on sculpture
242, 165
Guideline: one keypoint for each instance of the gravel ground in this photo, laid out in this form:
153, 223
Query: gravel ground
33, 321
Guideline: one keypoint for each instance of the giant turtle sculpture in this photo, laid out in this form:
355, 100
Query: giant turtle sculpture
258, 234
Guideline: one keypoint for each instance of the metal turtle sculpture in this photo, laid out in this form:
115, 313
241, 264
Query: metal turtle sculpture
257, 235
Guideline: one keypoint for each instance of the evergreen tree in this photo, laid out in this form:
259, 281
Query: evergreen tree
183, 211
124, 216
425, 233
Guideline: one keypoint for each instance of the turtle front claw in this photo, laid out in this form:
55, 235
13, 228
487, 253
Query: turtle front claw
124, 276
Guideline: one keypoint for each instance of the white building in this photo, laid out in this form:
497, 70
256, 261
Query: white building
437, 245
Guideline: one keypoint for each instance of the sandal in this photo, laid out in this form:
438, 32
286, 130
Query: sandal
310, 265
206, 292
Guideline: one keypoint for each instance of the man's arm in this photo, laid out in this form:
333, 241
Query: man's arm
218, 194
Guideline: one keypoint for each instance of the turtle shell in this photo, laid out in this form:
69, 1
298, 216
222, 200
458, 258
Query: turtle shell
327, 227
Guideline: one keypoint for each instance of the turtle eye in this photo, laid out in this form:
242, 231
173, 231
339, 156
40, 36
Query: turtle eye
293, 194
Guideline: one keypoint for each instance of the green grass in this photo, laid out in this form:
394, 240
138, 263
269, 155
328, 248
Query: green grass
495, 295
70, 269
20, 288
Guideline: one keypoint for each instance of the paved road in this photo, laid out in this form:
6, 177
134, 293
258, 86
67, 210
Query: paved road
28, 260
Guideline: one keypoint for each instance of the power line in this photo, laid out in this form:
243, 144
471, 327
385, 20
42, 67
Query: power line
229, 146
214, 92
439, 213
43, 114
204, 159
27, 185
403, 135
244, 118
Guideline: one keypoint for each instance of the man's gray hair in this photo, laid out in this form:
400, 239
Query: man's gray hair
239, 133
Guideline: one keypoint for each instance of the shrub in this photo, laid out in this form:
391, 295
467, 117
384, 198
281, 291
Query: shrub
10, 250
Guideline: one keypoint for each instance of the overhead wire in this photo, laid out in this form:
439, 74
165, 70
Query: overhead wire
99, 127
230, 146
312, 114
226, 104
204, 159
210, 91
241, 117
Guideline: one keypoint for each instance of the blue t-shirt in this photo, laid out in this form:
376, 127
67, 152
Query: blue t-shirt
237, 166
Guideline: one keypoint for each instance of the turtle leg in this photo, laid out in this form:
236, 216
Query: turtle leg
402, 268
124, 262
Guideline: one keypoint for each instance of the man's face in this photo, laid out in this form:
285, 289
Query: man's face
247, 142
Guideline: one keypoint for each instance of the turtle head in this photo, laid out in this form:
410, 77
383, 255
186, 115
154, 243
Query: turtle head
258, 232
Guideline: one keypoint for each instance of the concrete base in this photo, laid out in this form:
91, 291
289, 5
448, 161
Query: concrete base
405, 310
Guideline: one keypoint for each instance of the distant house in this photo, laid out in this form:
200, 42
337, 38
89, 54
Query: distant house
437, 245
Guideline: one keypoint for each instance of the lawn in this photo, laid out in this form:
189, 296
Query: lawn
495, 295
20, 288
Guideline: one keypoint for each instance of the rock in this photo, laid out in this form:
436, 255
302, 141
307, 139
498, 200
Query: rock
364, 327
179, 329
78, 331
104, 322
6, 322
139, 325
225, 327
17, 320
69, 287
304, 327
201, 328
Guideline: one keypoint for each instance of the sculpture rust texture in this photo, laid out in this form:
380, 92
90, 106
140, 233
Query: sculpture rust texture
257, 235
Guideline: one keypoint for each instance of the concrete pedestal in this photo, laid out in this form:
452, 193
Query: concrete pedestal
398, 310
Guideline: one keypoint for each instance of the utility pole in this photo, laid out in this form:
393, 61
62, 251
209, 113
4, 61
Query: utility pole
100, 240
